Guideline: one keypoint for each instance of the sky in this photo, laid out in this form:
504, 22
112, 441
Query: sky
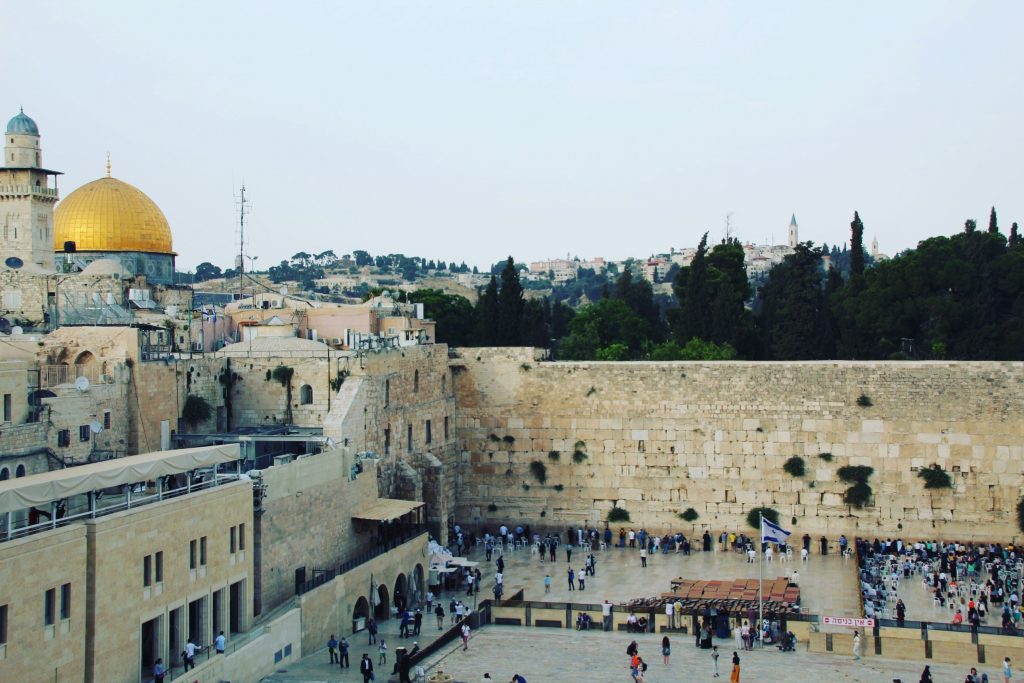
471, 131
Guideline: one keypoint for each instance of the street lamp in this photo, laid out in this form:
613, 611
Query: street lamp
252, 269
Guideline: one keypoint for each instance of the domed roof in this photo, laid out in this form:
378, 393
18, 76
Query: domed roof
22, 125
104, 266
111, 215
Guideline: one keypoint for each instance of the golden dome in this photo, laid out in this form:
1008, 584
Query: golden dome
111, 215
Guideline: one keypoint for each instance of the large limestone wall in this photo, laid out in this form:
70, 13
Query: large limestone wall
663, 437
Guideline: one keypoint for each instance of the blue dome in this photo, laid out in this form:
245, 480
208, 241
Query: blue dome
22, 125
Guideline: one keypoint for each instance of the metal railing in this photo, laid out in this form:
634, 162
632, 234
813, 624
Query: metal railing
56, 375
925, 626
323, 576
21, 190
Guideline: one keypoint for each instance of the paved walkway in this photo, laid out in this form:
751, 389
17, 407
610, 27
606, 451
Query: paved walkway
545, 655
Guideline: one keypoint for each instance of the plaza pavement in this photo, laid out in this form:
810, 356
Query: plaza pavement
828, 584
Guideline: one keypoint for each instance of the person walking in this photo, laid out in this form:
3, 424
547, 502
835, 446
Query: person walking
382, 648
568, 553
856, 645
332, 649
465, 637
734, 677
189, 654
581, 579
643, 556
714, 660
547, 583
417, 622
371, 632
666, 649
366, 668
439, 613
1007, 671
572, 579
343, 653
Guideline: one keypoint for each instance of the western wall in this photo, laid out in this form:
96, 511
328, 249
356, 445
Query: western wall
658, 438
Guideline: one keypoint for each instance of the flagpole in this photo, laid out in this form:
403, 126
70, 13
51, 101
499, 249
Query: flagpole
760, 579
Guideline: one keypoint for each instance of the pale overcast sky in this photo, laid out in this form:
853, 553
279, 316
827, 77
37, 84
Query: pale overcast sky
474, 130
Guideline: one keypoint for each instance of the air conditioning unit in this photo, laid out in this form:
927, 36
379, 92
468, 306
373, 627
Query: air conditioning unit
336, 341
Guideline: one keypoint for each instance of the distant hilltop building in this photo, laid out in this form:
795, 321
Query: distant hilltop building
565, 268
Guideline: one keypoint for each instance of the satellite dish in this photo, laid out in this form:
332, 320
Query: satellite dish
94, 426
283, 291
16, 329
13, 262
82, 383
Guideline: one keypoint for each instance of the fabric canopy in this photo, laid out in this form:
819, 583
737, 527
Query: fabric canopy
41, 489
385, 509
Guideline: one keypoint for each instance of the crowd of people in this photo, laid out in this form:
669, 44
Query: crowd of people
975, 582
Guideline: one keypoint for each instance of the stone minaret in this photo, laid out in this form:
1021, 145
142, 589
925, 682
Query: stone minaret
26, 196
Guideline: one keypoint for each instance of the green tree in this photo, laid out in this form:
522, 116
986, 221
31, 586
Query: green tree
793, 306
362, 258
970, 225
691, 289
510, 305
207, 271
695, 349
486, 326
452, 313
535, 326
993, 223
856, 246
600, 325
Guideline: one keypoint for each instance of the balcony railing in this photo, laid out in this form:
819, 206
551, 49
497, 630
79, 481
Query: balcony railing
56, 375
22, 190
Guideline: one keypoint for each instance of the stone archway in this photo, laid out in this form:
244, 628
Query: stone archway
401, 594
382, 610
360, 613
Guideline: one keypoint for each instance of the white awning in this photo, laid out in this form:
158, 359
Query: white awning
386, 509
41, 489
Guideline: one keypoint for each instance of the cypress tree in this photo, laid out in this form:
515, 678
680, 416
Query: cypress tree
993, 224
1014, 236
856, 246
485, 333
510, 306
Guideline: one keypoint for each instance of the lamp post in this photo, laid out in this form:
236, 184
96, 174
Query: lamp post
252, 269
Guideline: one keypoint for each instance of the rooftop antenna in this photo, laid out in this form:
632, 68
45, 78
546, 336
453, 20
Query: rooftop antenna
241, 201
728, 226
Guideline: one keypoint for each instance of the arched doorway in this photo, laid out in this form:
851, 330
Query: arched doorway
382, 610
85, 358
360, 613
418, 589
401, 592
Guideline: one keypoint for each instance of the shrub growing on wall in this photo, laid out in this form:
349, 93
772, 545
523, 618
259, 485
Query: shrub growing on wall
554, 456
935, 477
1020, 514
196, 409
689, 515
795, 466
754, 516
539, 471
859, 494
617, 514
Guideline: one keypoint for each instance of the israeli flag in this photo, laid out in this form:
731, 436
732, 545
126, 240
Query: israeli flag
773, 533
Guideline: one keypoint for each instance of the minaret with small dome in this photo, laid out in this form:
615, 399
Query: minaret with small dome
27, 197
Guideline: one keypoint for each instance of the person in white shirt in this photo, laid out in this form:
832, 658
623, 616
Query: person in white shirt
190, 654
671, 614
218, 643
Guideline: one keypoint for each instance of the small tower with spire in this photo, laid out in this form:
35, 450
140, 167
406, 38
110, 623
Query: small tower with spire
794, 238
874, 247
28, 193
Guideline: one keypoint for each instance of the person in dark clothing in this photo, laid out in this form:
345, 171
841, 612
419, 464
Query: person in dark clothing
366, 668
417, 622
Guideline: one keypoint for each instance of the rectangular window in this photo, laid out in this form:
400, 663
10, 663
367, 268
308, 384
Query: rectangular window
11, 297
64, 438
159, 566
49, 604
445, 427
84, 433
7, 407
408, 441
241, 536
65, 601
234, 539
387, 442
3, 624
147, 571
106, 419
202, 551
426, 432
192, 554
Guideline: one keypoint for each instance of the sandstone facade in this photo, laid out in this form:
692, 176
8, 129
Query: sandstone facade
658, 438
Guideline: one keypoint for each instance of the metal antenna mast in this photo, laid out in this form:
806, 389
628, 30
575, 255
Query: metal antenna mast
728, 226
241, 202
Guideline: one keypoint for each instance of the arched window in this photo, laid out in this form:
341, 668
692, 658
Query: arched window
5, 474
20, 472
305, 395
